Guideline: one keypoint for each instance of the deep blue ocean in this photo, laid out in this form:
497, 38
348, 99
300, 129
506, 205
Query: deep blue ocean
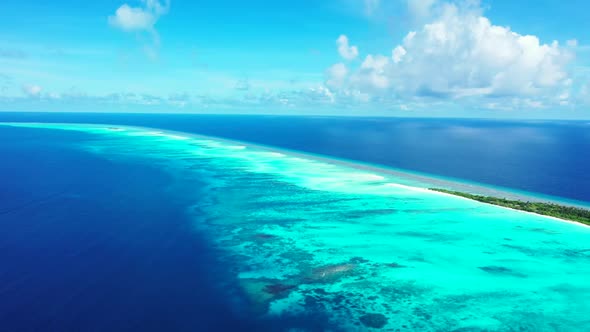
88, 244
94, 244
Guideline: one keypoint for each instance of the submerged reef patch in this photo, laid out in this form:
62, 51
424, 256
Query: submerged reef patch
375, 321
501, 270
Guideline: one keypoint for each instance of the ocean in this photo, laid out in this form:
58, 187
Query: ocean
538, 157
94, 244
117, 227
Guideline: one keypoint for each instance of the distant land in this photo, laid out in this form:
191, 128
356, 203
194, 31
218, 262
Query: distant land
547, 209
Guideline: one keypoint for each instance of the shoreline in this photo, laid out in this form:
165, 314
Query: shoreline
425, 180
437, 192
573, 222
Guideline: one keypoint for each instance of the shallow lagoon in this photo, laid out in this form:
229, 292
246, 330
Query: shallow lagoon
304, 236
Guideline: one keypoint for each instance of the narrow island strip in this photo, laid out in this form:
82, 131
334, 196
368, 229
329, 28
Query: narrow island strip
547, 209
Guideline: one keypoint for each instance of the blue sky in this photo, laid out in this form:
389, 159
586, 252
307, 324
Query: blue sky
496, 58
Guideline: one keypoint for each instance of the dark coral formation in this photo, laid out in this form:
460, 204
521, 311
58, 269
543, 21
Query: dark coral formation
501, 270
278, 288
375, 321
263, 236
358, 260
495, 269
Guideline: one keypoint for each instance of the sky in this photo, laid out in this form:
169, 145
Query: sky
431, 58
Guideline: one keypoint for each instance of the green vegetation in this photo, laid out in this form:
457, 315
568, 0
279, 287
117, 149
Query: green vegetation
547, 209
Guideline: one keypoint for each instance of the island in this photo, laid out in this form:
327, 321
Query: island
547, 209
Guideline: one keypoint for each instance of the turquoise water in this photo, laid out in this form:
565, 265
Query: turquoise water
366, 248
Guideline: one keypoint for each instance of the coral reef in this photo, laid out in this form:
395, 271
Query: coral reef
375, 321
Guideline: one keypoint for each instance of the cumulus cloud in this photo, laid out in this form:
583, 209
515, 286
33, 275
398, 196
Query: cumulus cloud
463, 53
398, 53
336, 75
144, 18
460, 54
372, 74
132, 19
32, 90
346, 51
141, 19
420, 9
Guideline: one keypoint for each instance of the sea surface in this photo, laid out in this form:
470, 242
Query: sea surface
533, 157
119, 227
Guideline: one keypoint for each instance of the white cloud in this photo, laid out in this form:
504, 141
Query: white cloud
461, 54
133, 18
398, 53
319, 94
336, 75
420, 9
141, 19
346, 52
372, 74
32, 90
